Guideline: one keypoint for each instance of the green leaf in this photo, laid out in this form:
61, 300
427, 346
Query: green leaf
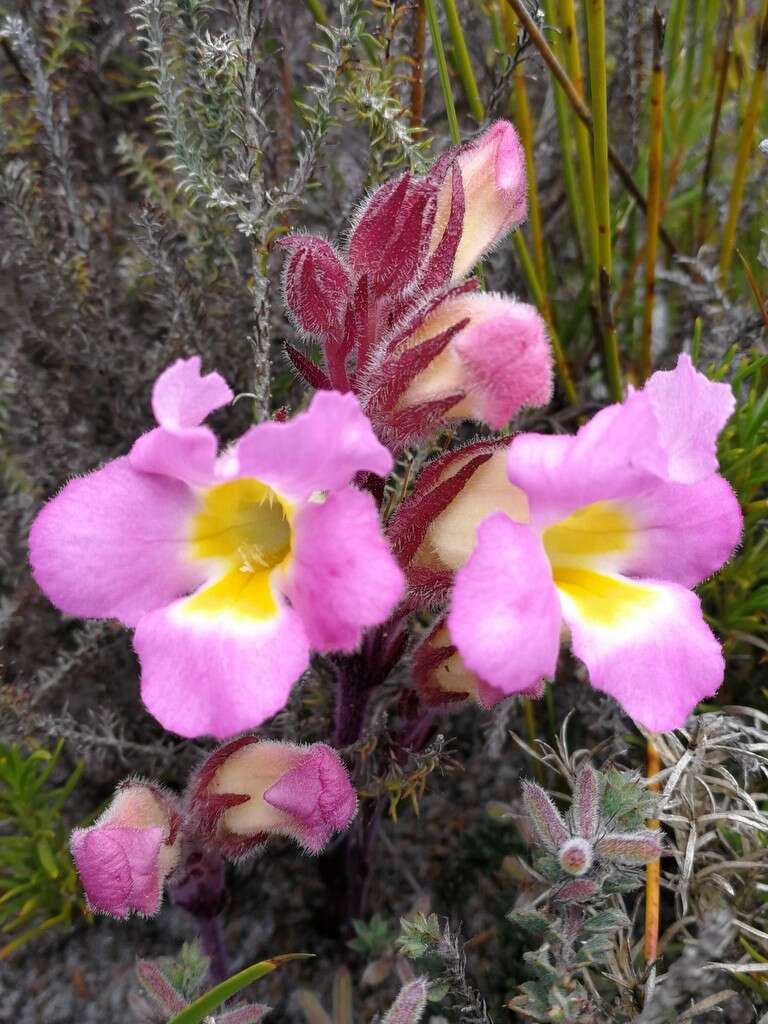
196, 1012
47, 859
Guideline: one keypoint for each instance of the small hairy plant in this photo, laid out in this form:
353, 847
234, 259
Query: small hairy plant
39, 889
408, 1007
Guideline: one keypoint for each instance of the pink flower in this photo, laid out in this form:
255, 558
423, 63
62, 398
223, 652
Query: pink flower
609, 530
251, 788
229, 567
124, 858
396, 324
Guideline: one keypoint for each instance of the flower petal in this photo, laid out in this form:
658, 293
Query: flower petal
644, 642
690, 412
683, 532
208, 671
113, 544
342, 576
188, 455
318, 450
627, 449
182, 397
119, 868
505, 617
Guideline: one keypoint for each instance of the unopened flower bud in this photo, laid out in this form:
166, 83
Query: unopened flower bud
125, 857
316, 284
495, 189
576, 856
499, 359
250, 789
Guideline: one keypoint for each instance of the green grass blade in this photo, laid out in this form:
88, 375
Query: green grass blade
196, 1012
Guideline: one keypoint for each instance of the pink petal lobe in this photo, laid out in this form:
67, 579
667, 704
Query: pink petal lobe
112, 544
343, 576
182, 397
505, 617
317, 450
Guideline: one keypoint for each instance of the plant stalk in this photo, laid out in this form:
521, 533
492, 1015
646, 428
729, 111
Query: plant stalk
463, 61
442, 70
654, 193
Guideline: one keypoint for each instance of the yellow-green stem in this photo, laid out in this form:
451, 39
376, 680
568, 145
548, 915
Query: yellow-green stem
317, 11
597, 76
595, 10
525, 127
746, 139
654, 192
540, 300
442, 70
463, 62
583, 143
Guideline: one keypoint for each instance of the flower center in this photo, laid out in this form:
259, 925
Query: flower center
586, 551
244, 523
244, 527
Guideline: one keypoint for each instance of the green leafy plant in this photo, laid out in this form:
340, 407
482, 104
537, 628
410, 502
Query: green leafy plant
38, 883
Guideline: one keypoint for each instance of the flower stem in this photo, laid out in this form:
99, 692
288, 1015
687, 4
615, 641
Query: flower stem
442, 70
211, 935
652, 871
463, 62
654, 192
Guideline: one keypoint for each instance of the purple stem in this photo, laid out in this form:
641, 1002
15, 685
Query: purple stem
199, 886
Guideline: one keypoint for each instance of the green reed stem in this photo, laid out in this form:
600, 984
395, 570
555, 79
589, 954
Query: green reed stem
463, 62
442, 70
654, 193
565, 129
595, 10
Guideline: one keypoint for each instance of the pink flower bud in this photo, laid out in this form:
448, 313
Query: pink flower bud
316, 284
125, 857
494, 179
392, 233
499, 359
250, 789
576, 856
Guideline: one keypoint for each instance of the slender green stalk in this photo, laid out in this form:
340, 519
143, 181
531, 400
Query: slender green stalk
673, 36
525, 127
595, 10
580, 107
463, 62
565, 132
598, 81
540, 300
442, 70
756, 98
654, 192
529, 714
582, 131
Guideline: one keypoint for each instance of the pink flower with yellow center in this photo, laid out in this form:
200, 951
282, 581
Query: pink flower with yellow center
602, 533
230, 567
